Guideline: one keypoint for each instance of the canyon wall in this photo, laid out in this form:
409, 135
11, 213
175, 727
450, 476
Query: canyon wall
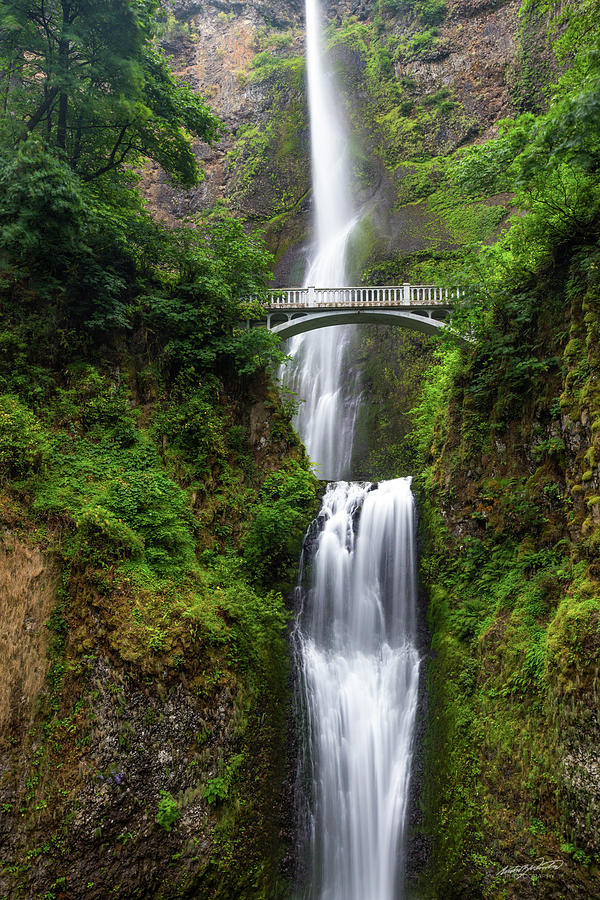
416, 84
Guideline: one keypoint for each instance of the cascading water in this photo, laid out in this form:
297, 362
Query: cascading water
320, 374
358, 668
355, 637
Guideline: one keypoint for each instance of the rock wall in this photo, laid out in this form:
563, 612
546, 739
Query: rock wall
511, 560
141, 754
28, 581
247, 59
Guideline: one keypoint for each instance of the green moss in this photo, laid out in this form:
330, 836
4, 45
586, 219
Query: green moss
488, 605
24, 445
513, 604
168, 812
125, 499
574, 641
269, 158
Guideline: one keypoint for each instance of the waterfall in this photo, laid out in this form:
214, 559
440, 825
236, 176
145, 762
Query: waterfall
358, 665
355, 636
321, 374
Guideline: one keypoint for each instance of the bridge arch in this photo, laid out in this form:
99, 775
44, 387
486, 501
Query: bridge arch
311, 321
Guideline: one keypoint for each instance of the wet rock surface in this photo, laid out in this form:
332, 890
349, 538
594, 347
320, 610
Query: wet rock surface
214, 47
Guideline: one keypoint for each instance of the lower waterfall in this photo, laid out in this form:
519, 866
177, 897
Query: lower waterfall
358, 667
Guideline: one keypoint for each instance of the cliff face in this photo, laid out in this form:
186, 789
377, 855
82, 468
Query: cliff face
143, 723
213, 45
510, 507
413, 91
27, 588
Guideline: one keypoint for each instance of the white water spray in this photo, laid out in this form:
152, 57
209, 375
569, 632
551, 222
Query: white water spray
321, 375
355, 638
359, 669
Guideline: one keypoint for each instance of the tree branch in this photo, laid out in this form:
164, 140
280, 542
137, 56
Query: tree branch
36, 118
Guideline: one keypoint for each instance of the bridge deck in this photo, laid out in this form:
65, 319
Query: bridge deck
413, 295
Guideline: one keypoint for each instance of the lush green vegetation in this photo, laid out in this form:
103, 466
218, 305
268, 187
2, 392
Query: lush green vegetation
510, 505
127, 452
91, 79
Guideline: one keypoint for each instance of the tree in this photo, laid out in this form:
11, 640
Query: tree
88, 76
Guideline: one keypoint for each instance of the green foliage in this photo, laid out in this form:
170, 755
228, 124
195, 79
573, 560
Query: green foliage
92, 80
551, 162
433, 12
265, 65
154, 507
59, 269
423, 44
78, 263
493, 615
168, 812
42, 216
427, 12
103, 537
573, 640
285, 503
125, 370
404, 124
23, 442
431, 414
218, 789
193, 430
513, 606
105, 477
95, 406
218, 270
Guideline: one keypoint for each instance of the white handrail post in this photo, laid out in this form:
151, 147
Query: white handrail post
310, 296
406, 293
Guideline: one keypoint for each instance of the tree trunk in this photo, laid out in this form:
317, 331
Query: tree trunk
63, 56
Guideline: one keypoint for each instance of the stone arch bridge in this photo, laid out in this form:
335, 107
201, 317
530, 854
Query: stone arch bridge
420, 307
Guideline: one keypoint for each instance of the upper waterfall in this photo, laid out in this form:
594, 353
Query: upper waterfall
321, 373
333, 207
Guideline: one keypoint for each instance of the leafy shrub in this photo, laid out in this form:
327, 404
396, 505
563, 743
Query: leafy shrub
98, 407
423, 43
286, 499
49, 232
102, 535
23, 443
252, 349
194, 429
43, 212
168, 811
218, 267
152, 505
233, 612
216, 790
18, 374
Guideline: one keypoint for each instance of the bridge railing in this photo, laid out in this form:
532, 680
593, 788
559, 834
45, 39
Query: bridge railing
380, 295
